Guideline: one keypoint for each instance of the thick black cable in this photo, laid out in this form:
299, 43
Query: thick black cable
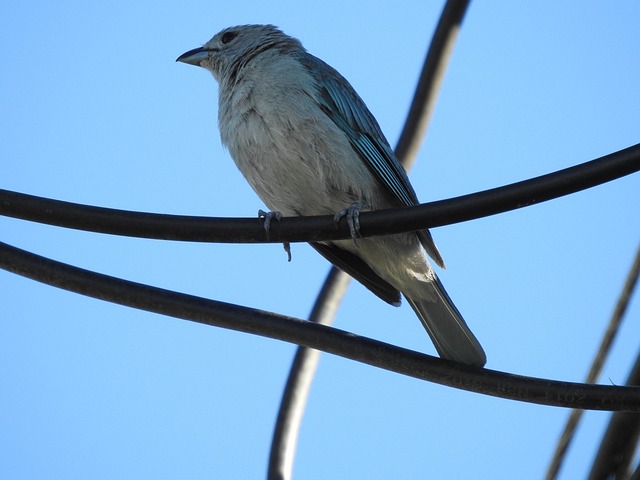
320, 337
303, 229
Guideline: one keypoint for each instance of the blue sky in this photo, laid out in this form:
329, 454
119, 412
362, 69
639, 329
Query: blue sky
95, 110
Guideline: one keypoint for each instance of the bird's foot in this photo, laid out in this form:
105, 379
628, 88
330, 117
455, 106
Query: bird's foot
267, 217
353, 219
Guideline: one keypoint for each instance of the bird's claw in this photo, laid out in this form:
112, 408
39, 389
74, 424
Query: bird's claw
353, 219
267, 217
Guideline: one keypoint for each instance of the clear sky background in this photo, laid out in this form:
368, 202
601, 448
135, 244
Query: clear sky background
94, 109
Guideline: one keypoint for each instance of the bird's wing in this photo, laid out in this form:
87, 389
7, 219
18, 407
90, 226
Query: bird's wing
347, 110
358, 269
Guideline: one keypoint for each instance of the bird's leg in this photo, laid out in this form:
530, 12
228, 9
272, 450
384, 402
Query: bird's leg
267, 217
353, 219
287, 248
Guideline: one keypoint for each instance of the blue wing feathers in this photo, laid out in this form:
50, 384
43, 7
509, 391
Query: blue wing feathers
347, 110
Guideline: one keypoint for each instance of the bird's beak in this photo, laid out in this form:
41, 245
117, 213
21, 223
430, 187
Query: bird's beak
194, 57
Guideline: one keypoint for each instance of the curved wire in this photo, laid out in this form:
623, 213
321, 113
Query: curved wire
305, 362
320, 228
328, 339
428, 88
303, 368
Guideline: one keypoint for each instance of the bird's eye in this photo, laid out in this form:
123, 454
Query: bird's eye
228, 36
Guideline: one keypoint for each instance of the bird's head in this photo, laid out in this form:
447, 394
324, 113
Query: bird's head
232, 48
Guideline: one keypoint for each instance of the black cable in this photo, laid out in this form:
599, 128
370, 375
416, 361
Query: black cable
428, 88
320, 337
299, 229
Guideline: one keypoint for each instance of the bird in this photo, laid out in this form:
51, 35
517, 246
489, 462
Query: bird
308, 145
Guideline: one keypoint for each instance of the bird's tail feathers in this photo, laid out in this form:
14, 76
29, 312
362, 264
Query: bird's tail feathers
449, 332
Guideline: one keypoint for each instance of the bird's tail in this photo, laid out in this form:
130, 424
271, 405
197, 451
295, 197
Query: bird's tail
447, 329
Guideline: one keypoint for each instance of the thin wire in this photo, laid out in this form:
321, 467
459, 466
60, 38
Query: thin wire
305, 362
596, 366
328, 339
321, 228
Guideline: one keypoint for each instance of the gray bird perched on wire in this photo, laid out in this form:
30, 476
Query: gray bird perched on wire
308, 145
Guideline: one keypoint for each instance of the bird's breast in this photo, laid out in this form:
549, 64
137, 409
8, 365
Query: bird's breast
292, 154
